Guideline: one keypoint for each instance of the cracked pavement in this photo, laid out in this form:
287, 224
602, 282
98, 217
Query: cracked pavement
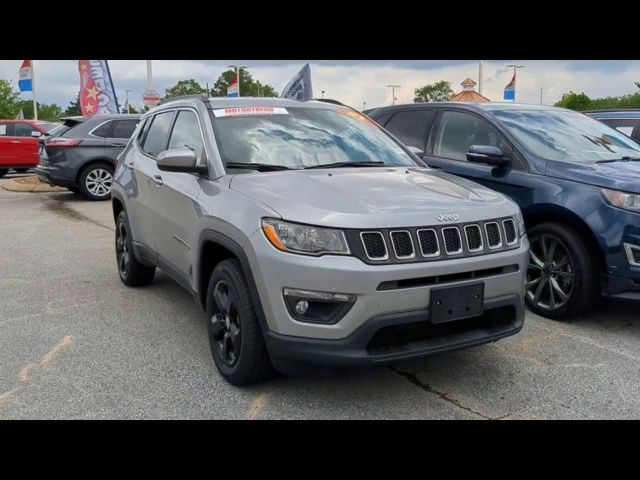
76, 343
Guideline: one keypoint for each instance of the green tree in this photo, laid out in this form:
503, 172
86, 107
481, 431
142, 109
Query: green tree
50, 112
575, 101
9, 100
74, 108
185, 87
434, 92
248, 86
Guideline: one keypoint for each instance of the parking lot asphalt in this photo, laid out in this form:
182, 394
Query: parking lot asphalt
76, 343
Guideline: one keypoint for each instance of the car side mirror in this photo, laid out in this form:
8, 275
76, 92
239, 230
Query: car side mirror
179, 160
489, 155
36, 134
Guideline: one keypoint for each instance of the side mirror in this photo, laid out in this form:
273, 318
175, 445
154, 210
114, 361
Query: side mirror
36, 134
489, 155
415, 150
179, 160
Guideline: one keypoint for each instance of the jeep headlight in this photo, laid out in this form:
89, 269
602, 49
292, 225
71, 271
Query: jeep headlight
305, 239
627, 201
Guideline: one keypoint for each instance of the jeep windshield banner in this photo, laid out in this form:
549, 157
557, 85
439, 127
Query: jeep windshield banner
97, 95
247, 111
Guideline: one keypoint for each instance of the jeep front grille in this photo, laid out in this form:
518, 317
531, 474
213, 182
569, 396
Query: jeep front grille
432, 243
374, 245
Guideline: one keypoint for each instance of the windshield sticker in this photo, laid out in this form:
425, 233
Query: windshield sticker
248, 111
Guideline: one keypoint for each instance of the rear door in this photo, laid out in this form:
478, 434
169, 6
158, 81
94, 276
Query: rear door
147, 178
118, 136
8, 145
176, 197
455, 131
27, 137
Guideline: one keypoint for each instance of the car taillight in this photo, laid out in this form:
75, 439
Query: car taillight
61, 142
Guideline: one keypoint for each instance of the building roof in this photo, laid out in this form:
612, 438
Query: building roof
468, 94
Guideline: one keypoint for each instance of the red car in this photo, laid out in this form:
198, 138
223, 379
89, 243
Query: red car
19, 147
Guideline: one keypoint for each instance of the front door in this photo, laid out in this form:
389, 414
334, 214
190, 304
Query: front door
176, 200
455, 132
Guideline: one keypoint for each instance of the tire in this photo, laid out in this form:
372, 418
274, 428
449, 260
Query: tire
95, 181
21, 170
232, 321
3, 172
567, 268
132, 273
75, 190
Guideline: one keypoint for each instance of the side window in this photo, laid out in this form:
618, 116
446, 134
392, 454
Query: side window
459, 130
103, 131
623, 125
23, 130
156, 139
123, 128
186, 133
411, 126
383, 119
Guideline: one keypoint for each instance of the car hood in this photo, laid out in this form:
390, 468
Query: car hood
372, 197
623, 176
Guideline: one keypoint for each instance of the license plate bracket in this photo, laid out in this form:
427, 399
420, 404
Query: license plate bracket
456, 303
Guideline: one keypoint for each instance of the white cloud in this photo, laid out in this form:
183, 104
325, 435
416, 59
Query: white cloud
350, 82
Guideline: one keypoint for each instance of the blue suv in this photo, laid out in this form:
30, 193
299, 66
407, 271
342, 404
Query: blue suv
576, 180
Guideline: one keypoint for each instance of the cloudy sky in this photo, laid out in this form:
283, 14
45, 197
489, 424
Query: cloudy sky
352, 82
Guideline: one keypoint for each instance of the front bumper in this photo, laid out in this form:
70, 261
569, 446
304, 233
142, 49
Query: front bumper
415, 337
347, 341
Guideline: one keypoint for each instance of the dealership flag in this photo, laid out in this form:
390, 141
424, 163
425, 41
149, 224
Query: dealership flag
97, 95
233, 90
510, 89
26, 77
299, 88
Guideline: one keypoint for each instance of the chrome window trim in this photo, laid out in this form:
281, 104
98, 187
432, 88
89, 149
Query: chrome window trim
393, 244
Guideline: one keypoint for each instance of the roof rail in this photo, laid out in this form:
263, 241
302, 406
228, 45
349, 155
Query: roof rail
199, 96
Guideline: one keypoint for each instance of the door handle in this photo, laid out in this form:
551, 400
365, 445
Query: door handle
157, 179
15, 141
118, 145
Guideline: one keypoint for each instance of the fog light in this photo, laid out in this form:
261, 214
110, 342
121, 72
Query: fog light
317, 307
301, 307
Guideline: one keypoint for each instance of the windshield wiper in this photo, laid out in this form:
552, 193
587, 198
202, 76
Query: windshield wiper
346, 164
623, 159
261, 167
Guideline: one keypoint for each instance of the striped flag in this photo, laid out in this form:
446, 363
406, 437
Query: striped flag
25, 83
233, 90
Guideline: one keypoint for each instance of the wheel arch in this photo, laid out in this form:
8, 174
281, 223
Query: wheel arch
93, 161
544, 213
213, 248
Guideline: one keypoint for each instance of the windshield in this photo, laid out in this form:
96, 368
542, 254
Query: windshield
302, 137
567, 136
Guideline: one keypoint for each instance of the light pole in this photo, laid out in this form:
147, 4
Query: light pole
480, 77
393, 93
322, 92
364, 105
515, 68
237, 69
126, 101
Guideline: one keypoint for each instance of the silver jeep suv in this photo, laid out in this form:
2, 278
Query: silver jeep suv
311, 236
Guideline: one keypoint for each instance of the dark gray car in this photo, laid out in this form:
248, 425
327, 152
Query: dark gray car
82, 153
